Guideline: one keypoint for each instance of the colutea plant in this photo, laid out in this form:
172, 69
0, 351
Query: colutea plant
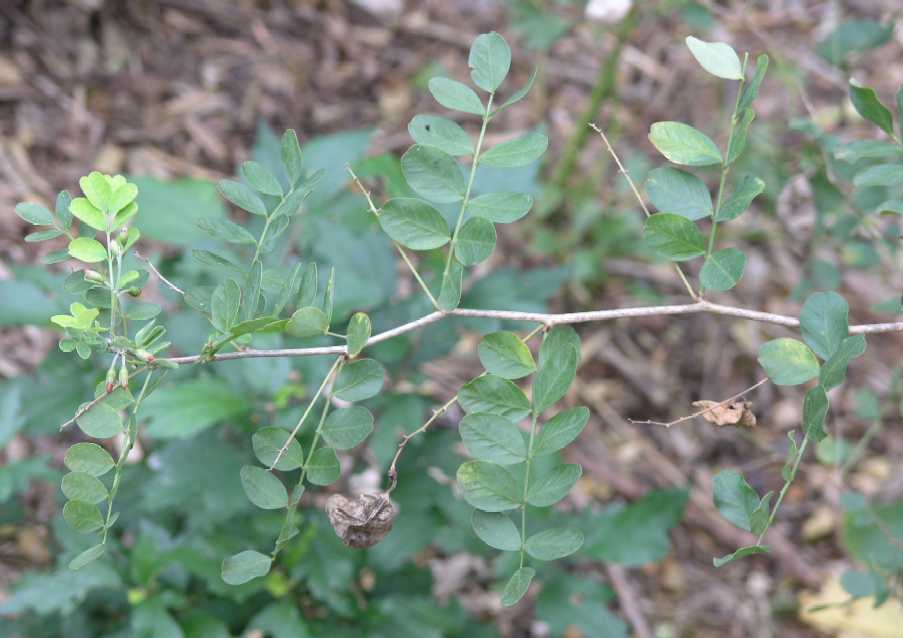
512, 435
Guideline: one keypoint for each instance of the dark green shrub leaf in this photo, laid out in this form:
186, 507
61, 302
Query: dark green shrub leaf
262, 488
100, 422
553, 486
87, 250
750, 188
851, 36
494, 395
450, 291
242, 196
323, 467
517, 586
434, 174
441, 132
267, 442
554, 543
723, 269
245, 566
834, 371
674, 237
476, 241
414, 224
82, 517
505, 355
717, 58
488, 487
84, 487
346, 428
749, 550
34, 214
89, 458
456, 96
558, 366
683, 144
870, 107
261, 179
489, 437
501, 208
560, 430
824, 323
735, 499
224, 305
678, 192
517, 152
307, 322
358, 333
788, 361
87, 557
556, 341
489, 61
496, 530
359, 380
815, 410
741, 131
752, 88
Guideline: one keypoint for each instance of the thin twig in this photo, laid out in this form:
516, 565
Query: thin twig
158, 274
705, 411
628, 600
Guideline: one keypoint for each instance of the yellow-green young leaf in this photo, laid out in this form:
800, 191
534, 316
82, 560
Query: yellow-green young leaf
34, 214
560, 430
743, 195
834, 370
476, 241
554, 543
358, 333
718, 58
517, 586
494, 395
456, 96
433, 174
749, 550
501, 208
517, 152
788, 361
101, 421
122, 197
242, 196
549, 488
815, 410
870, 107
346, 428
489, 61
442, 133
262, 488
735, 499
414, 224
87, 250
245, 566
261, 179
824, 323
450, 291
675, 191
673, 237
493, 438
87, 557
683, 144
97, 189
307, 322
496, 530
84, 211
488, 487
89, 458
323, 467
722, 269
267, 442
81, 486
82, 517
504, 354
359, 380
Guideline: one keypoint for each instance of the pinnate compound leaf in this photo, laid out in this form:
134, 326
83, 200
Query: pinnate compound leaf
35, 214
788, 361
520, 93
242, 196
476, 241
489, 437
81, 486
824, 323
261, 179
749, 550
496, 530
346, 428
834, 370
517, 152
87, 250
741, 131
84, 211
309, 321
82, 517
488, 487
101, 421
674, 237
267, 443
433, 174
867, 104
441, 132
735, 499
723, 269
501, 208
414, 224
554, 543
262, 488
489, 61
359, 380
558, 367
87, 557
674, 191
456, 96
815, 410
752, 88
718, 58
517, 586
494, 395
358, 333
506, 355
748, 189
683, 144
89, 458
450, 290
323, 468
560, 430
245, 566
554, 485
290, 150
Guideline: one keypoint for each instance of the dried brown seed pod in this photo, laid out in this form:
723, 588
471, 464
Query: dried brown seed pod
362, 521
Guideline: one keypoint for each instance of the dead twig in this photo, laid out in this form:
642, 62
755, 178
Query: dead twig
704, 411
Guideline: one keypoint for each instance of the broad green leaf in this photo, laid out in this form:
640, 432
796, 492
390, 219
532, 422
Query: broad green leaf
262, 488
501, 208
760, 515
87, 250
307, 322
554, 543
718, 58
834, 370
553, 486
560, 430
505, 355
870, 107
489, 61
743, 195
450, 290
84, 211
851, 36
224, 305
183, 409
674, 237
722, 269
87, 557
97, 189
741, 131
84, 487
82, 517
683, 144
290, 151
346, 428
456, 96
242, 196
171, 209
414, 224
496, 530
476, 241
488, 487
34, 214
555, 341
824, 323
880, 175
359, 380
493, 438
358, 333
749, 550
267, 442
735, 499
752, 88
434, 174
442, 133
675, 191
324, 468
494, 395
89, 458
101, 421
517, 586
815, 409
261, 179
517, 152
558, 366
788, 361
245, 566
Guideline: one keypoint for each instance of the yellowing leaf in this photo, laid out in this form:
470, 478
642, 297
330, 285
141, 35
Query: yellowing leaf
859, 618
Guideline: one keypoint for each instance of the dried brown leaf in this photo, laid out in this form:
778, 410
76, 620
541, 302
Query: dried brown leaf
733, 413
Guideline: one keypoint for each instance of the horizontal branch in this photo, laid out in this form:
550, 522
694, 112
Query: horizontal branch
548, 319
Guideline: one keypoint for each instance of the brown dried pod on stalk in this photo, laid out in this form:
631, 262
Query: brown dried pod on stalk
362, 521
734, 413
